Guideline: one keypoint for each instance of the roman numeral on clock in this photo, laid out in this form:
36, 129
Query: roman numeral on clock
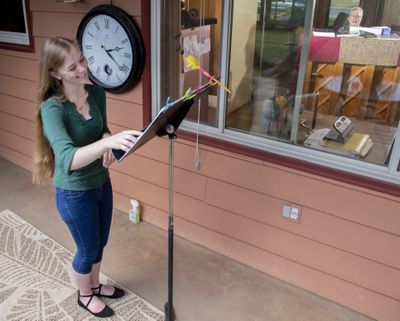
91, 59
125, 68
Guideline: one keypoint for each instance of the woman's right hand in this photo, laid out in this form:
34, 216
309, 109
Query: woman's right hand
123, 140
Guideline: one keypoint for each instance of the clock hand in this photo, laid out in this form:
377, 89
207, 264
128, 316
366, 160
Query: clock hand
116, 49
112, 58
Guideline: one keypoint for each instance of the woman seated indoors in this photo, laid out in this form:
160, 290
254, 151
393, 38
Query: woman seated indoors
353, 20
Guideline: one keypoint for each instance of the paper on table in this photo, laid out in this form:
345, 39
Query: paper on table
324, 34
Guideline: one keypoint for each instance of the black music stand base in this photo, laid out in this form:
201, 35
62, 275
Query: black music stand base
168, 308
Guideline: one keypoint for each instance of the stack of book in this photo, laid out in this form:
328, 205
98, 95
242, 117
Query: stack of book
358, 145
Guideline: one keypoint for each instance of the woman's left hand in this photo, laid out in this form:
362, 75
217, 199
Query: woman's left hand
108, 156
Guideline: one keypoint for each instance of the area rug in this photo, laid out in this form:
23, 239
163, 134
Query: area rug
35, 280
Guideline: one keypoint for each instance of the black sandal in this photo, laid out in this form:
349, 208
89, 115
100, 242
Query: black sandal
105, 313
118, 293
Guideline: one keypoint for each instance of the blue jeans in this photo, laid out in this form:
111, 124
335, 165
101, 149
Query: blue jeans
88, 217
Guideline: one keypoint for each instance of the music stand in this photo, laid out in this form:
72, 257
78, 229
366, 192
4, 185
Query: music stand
166, 123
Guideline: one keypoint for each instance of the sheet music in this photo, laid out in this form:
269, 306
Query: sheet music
171, 112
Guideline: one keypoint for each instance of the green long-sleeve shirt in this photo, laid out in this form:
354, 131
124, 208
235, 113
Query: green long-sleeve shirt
67, 130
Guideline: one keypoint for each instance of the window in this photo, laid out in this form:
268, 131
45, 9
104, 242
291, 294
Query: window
338, 6
303, 85
14, 26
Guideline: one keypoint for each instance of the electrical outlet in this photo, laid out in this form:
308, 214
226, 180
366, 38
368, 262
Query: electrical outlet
291, 212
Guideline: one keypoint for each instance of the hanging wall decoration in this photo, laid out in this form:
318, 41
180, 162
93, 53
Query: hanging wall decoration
112, 44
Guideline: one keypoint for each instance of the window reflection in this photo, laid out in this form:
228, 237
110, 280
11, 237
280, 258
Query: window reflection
200, 37
350, 71
264, 70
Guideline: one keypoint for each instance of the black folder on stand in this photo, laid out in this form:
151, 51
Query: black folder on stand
171, 114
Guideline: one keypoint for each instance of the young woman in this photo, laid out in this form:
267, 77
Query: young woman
73, 146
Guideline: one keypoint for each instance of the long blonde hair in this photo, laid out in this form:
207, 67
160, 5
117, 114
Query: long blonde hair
52, 57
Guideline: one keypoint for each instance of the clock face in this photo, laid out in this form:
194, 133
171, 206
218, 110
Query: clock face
107, 48
111, 47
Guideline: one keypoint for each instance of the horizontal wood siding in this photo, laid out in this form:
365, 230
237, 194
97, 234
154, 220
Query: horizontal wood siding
345, 247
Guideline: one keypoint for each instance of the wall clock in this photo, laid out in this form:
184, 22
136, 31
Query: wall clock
113, 47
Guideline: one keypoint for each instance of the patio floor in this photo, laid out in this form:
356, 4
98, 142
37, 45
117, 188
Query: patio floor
207, 286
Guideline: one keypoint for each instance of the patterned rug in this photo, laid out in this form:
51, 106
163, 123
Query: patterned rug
35, 282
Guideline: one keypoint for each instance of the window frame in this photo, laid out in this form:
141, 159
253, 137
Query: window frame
347, 170
18, 42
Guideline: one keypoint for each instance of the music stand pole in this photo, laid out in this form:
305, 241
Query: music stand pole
169, 309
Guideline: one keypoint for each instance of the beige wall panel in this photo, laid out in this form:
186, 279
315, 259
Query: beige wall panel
268, 180
365, 241
115, 128
185, 156
133, 7
16, 158
148, 213
56, 6
50, 24
135, 95
376, 211
24, 89
16, 125
356, 238
138, 21
155, 217
189, 184
38, 42
353, 237
158, 149
155, 172
140, 190
121, 202
144, 169
299, 249
16, 143
124, 114
19, 67
18, 107
184, 153
205, 148
348, 294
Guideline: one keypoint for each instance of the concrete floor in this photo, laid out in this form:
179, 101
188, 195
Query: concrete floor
207, 286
